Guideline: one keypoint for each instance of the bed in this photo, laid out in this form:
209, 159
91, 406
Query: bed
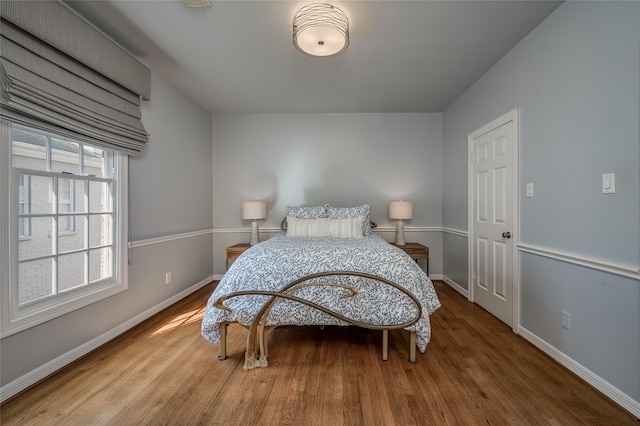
326, 269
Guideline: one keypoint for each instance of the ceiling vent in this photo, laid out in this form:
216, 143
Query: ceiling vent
197, 3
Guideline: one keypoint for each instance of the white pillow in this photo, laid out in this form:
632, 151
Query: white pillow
350, 212
346, 228
297, 227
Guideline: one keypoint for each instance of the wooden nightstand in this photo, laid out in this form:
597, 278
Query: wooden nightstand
416, 251
235, 251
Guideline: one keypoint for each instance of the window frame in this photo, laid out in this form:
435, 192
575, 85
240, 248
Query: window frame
15, 318
24, 228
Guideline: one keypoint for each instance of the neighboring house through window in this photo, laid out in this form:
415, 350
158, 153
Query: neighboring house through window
66, 195
66, 246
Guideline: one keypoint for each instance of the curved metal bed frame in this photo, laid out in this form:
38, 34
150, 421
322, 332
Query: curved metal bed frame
257, 328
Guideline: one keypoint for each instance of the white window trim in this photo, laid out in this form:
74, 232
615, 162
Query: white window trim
12, 320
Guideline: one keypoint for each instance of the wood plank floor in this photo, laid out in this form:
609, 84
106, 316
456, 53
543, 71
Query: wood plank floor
162, 372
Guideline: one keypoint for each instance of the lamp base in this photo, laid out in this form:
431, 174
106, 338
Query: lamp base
400, 234
255, 236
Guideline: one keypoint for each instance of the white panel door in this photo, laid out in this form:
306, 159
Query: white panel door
492, 221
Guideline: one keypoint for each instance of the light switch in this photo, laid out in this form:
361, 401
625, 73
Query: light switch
609, 183
529, 190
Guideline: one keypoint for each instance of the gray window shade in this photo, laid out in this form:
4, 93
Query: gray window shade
91, 92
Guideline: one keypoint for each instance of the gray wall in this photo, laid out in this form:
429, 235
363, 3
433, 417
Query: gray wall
171, 180
339, 159
575, 79
178, 157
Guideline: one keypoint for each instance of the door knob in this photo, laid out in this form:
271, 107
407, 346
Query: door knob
506, 234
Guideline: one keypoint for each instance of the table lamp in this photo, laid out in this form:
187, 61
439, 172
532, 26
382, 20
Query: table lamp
254, 210
400, 210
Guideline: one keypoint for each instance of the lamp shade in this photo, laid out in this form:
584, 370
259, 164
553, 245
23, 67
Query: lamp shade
320, 29
400, 210
254, 210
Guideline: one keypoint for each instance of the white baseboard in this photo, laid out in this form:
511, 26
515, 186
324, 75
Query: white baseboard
34, 376
457, 287
619, 397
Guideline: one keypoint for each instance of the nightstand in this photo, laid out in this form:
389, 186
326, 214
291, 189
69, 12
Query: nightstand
235, 251
416, 251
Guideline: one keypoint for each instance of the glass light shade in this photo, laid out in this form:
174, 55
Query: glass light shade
254, 210
320, 29
400, 210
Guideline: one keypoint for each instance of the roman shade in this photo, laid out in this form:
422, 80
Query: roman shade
60, 74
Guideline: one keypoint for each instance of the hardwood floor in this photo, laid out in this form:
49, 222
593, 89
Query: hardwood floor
475, 371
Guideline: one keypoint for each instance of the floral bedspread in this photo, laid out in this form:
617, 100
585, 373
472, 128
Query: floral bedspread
280, 260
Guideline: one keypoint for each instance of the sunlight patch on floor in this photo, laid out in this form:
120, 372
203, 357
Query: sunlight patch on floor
180, 320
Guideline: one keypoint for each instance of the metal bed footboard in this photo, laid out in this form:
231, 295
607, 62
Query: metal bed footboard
256, 353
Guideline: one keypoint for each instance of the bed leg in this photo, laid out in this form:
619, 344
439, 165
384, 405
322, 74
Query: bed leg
262, 342
385, 345
223, 341
266, 344
412, 348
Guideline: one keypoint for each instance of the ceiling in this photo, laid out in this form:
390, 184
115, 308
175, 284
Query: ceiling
237, 57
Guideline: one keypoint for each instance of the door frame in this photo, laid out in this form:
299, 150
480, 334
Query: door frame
514, 117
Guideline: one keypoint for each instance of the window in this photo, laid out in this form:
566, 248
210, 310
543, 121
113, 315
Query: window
67, 237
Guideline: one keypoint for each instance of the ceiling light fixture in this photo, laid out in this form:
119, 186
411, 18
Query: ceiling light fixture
320, 29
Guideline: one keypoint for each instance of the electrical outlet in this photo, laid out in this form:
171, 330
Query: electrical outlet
167, 278
566, 320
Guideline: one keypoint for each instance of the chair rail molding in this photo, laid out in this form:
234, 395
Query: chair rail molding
168, 238
458, 232
627, 271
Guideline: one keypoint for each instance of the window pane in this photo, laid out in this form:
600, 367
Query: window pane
100, 266
99, 197
95, 162
71, 269
29, 149
40, 242
71, 197
71, 233
36, 192
65, 156
35, 280
99, 230
24, 227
